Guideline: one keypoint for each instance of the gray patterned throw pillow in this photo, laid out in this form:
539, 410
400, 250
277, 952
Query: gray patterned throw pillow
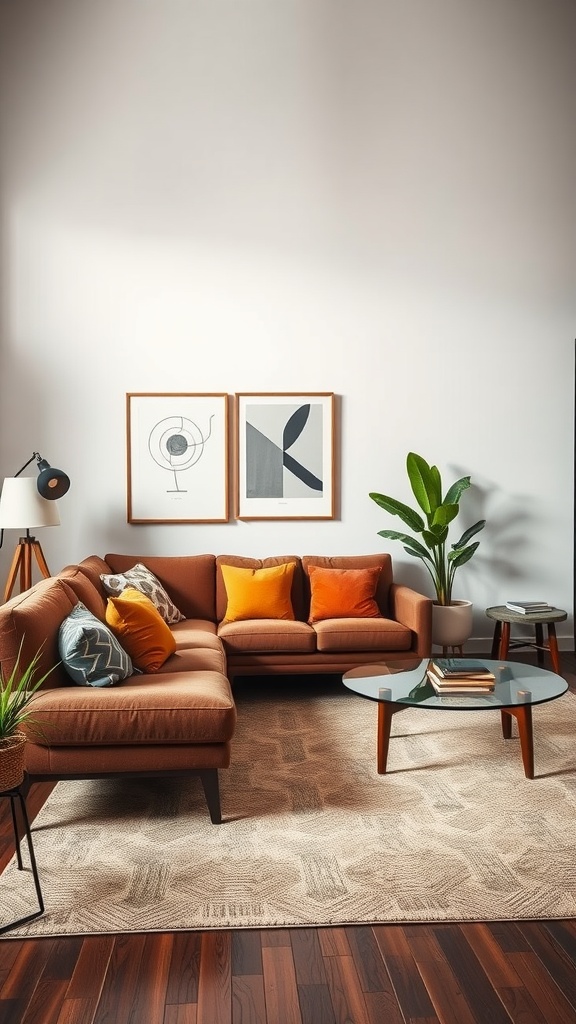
140, 577
89, 650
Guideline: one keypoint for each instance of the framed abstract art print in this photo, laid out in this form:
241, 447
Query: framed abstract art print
177, 458
284, 448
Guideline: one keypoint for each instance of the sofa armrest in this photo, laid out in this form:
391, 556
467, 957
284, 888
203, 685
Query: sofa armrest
413, 610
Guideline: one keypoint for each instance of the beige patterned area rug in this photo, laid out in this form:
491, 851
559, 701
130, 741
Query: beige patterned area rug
312, 834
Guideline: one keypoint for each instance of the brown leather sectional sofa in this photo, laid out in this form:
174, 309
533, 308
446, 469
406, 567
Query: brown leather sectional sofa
181, 719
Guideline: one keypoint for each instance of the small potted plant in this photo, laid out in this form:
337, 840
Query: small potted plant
441, 558
17, 694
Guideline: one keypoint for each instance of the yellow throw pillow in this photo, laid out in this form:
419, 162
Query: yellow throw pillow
343, 593
143, 633
258, 593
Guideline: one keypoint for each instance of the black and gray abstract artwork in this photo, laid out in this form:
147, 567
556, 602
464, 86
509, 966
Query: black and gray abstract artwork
284, 451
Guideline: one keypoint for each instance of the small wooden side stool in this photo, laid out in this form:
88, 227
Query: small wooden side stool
502, 643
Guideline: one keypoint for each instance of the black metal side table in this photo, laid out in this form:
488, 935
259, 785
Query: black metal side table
13, 795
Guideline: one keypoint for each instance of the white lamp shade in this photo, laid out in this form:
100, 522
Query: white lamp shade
22, 507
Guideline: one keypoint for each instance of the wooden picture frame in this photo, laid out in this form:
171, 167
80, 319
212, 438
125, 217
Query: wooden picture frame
284, 455
177, 457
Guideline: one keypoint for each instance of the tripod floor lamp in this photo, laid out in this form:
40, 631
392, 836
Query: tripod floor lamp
29, 503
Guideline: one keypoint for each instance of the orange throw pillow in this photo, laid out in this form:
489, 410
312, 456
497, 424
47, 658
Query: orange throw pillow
258, 593
141, 629
343, 593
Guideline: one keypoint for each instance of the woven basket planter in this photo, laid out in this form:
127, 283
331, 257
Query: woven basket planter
12, 761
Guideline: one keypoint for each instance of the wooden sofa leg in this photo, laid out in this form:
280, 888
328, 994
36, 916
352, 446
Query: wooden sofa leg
209, 779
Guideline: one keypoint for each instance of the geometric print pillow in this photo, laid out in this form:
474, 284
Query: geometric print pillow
90, 653
140, 577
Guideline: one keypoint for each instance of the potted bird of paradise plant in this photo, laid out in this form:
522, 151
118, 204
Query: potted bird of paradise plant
431, 544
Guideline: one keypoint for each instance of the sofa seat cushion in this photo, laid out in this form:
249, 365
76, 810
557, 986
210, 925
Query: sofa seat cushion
267, 635
196, 633
362, 635
196, 659
164, 708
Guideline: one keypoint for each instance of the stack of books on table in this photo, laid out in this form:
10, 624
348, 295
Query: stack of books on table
461, 676
528, 607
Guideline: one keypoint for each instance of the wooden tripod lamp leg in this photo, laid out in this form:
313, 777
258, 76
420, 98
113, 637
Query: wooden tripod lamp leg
40, 560
22, 565
15, 569
25, 566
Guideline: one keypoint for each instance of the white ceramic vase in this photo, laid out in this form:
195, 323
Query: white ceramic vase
451, 623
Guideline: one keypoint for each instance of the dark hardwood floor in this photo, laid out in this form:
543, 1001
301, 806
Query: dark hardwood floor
387, 974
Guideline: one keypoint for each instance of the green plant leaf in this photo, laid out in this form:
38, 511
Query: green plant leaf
454, 493
460, 557
17, 693
397, 508
437, 483
469, 533
424, 482
444, 515
435, 537
416, 548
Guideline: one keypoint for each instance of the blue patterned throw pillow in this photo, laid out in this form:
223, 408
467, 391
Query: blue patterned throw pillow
89, 650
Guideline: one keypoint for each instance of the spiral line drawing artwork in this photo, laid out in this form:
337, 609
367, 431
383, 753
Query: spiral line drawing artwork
176, 444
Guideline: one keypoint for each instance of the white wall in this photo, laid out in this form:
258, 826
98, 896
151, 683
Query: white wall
374, 199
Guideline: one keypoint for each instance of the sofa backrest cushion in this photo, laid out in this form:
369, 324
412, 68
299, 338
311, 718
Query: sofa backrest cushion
34, 618
84, 590
189, 579
385, 580
93, 567
243, 562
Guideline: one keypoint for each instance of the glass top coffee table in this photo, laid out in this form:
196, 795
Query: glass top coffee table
403, 684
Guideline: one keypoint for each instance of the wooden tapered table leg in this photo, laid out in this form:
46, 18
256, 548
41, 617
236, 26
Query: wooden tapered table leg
504, 641
384, 723
539, 643
385, 712
553, 648
523, 715
495, 652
